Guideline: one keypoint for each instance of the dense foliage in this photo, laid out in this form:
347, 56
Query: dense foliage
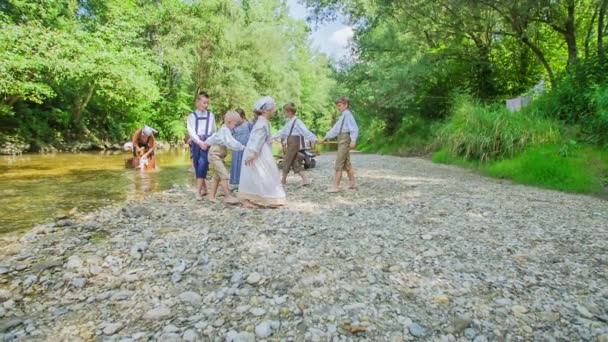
91, 70
412, 56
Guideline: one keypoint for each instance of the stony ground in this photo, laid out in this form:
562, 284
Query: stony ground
419, 252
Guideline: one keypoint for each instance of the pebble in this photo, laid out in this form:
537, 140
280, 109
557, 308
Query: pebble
480, 338
263, 330
7, 324
176, 277
190, 335
584, 312
417, 330
460, 323
240, 337
190, 297
112, 328
5, 295
254, 278
519, 310
78, 282
257, 312
470, 333
73, 263
157, 313
4, 270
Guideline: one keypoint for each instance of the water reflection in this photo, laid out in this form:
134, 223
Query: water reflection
36, 188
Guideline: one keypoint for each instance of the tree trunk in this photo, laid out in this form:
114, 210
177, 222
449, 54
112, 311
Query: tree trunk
590, 33
83, 105
541, 57
600, 30
570, 34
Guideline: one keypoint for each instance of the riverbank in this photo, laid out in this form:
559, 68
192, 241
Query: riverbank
15, 145
419, 251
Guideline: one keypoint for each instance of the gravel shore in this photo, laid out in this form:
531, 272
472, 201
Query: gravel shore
419, 252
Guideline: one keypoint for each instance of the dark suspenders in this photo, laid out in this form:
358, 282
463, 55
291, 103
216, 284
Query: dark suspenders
208, 118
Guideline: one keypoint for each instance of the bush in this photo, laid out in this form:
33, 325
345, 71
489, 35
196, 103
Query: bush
554, 167
488, 132
414, 136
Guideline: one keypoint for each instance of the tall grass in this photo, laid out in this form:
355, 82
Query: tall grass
548, 167
482, 132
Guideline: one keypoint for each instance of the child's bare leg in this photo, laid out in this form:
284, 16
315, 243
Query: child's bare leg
284, 178
305, 180
337, 179
214, 186
228, 198
351, 177
200, 184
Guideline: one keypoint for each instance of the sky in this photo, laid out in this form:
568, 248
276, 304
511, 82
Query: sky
331, 38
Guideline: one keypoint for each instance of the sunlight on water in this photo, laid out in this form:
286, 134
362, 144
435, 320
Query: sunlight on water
36, 188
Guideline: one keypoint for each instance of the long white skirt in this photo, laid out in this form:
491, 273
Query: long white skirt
261, 182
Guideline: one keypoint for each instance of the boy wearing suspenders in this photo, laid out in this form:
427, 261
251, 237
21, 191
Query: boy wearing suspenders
201, 125
295, 132
347, 132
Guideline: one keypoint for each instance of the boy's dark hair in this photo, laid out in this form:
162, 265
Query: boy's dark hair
242, 113
291, 107
343, 99
201, 95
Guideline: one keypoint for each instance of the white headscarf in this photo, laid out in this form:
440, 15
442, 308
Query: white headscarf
147, 130
264, 103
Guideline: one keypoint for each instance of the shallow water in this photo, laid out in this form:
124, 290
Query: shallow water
35, 188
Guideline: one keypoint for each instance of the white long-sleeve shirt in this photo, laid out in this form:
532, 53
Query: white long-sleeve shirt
224, 138
349, 126
299, 130
202, 124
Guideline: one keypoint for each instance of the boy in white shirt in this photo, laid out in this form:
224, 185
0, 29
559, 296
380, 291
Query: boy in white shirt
201, 125
219, 143
346, 131
294, 131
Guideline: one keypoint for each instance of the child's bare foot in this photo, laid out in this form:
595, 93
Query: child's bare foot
198, 196
333, 190
249, 205
211, 199
353, 187
277, 206
231, 200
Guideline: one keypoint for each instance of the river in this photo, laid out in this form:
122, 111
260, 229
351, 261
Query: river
35, 188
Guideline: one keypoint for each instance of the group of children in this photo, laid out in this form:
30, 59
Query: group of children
253, 169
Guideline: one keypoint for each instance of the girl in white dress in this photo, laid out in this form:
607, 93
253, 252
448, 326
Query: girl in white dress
260, 177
